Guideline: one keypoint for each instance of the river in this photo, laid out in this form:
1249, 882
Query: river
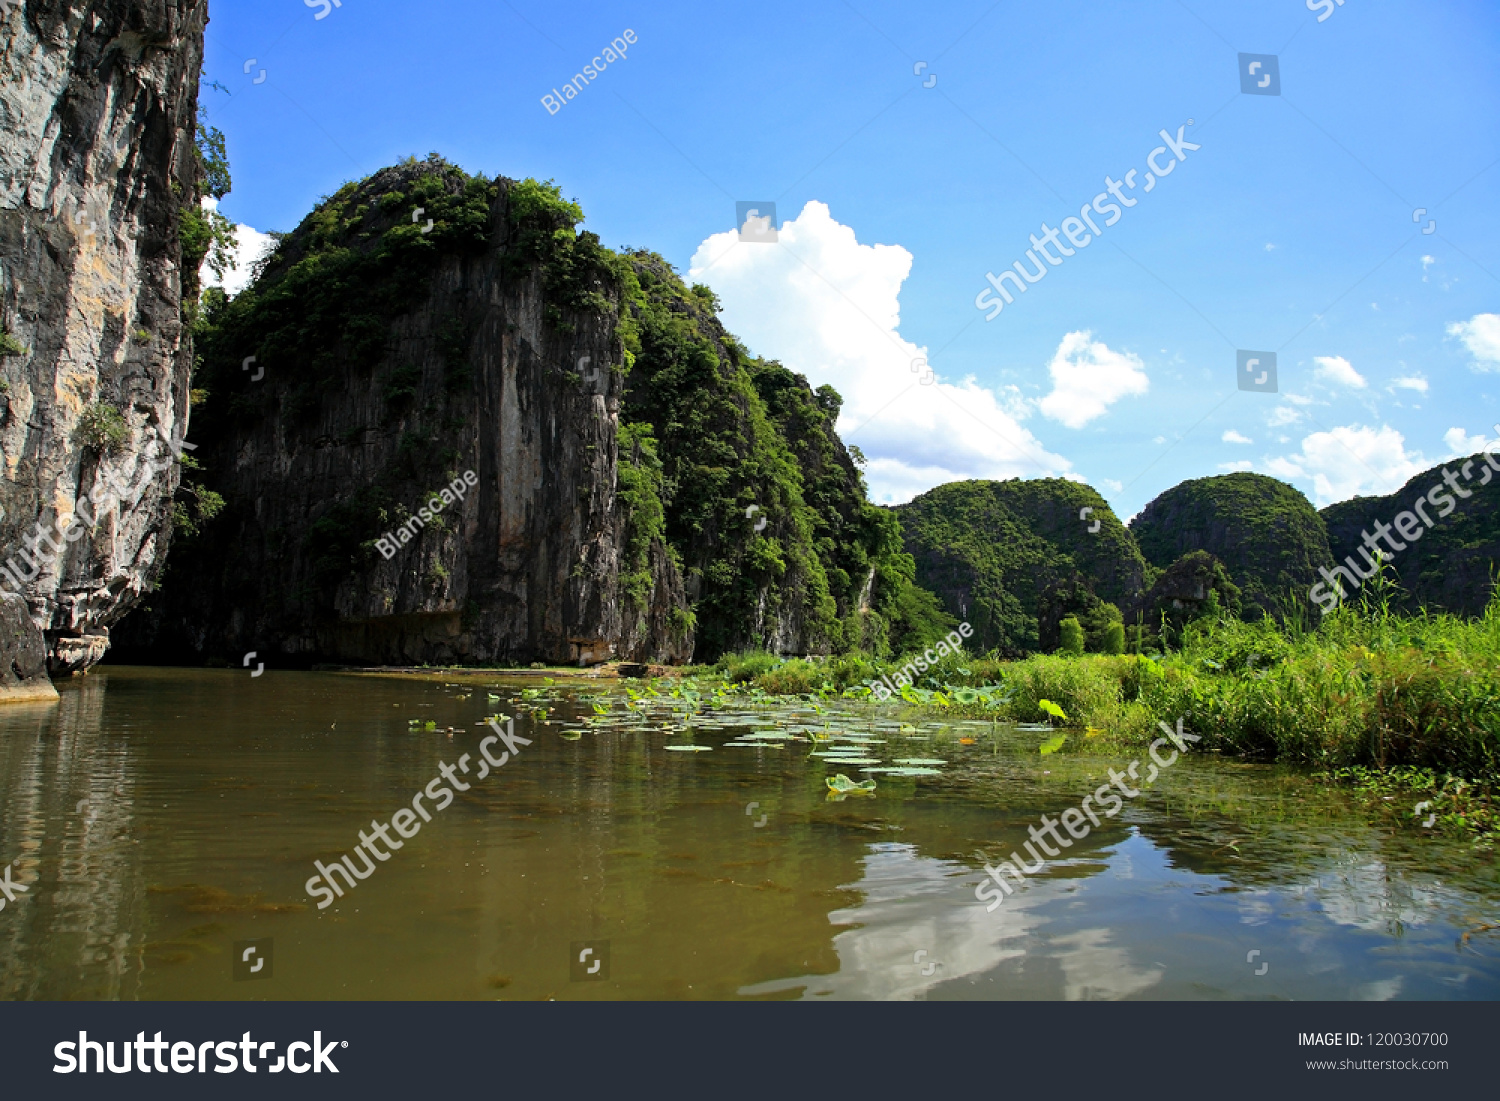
159, 817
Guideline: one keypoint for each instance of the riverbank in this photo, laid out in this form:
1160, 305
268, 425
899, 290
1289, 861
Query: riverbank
1370, 698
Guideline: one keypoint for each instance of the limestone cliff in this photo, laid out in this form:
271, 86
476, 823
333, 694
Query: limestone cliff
403, 337
1015, 557
641, 485
97, 113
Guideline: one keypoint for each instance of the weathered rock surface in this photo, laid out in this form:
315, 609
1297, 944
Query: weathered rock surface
23, 654
97, 109
473, 368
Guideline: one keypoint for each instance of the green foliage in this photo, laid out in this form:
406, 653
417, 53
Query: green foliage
1265, 532
343, 538
639, 487
10, 346
1072, 636
1004, 554
401, 387
1113, 640
193, 507
1451, 568
328, 294
103, 428
213, 159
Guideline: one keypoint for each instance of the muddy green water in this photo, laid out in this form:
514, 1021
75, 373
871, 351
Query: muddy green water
158, 816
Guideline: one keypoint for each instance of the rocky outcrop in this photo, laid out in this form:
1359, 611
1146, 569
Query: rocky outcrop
630, 482
414, 430
23, 654
1195, 585
1014, 557
1451, 566
97, 110
1265, 532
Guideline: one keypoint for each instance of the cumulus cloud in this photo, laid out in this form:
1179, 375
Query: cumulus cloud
1338, 371
1087, 378
1350, 461
1481, 335
1411, 382
1237, 465
1231, 436
828, 307
1461, 444
250, 245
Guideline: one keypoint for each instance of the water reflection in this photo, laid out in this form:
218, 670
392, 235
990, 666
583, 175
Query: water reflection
158, 815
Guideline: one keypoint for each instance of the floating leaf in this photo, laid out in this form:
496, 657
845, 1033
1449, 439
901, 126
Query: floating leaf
914, 772
843, 785
919, 761
1052, 709
688, 748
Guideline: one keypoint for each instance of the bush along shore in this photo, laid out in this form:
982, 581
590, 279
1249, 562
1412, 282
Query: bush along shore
1404, 709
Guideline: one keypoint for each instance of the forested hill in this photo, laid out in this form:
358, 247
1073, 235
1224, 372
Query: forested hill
1450, 566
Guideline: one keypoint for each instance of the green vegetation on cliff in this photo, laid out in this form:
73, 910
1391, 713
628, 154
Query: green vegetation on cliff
1450, 568
1265, 532
1014, 558
764, 506
728, 465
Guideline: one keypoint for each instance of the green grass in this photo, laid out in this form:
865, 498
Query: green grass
1365, 689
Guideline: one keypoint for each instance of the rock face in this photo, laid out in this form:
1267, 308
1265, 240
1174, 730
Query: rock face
1190, 587
628, 481
97, 110
1450, 568
416, 439
1265, 532
1013, 558
23, 654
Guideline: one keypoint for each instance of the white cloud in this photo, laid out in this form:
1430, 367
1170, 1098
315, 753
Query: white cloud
1283, 415
1297, 399
1349, 461
250, 245
1481, 335
1087, 378
1231, 436
1237, 465
1159, 439
1270, 247
1111, 484
1338, 371
828, 307
1411, 382
1428, 261
1461, 444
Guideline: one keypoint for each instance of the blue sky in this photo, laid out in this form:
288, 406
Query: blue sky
1291, 229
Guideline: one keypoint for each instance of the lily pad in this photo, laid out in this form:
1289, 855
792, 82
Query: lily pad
914, 772
919, 761
688, 748
843, 784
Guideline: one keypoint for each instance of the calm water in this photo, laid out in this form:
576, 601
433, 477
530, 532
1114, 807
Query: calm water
209, 795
